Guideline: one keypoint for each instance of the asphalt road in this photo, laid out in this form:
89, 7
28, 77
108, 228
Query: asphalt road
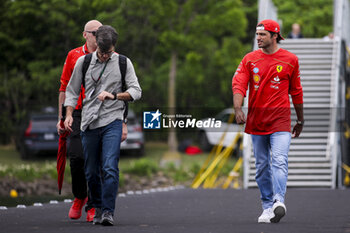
193, 211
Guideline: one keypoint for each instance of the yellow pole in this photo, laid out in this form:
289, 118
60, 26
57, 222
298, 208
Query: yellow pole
346, 167
209, 182
211, 167
215, 174
208, 171
233, 173
215, 150
205, 171
347, 174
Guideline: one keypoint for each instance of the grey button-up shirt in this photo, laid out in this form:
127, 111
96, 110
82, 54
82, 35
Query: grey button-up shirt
96, 113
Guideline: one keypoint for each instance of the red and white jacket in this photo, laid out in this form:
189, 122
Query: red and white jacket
271, 78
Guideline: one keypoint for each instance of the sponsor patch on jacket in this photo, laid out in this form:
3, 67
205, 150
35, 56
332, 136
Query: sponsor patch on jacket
256, 78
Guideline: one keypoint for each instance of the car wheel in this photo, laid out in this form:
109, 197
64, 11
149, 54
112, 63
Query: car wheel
203, 142
141, 151
138, 152
25, 153
20, 147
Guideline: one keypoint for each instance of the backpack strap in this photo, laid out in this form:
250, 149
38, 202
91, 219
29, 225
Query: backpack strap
86, 64
122, 67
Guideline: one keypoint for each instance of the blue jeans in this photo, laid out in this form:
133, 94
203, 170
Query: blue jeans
101, 150
271, 161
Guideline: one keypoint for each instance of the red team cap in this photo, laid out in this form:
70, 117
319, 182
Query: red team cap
269, 25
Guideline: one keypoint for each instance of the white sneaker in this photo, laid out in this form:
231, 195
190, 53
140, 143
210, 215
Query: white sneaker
266, 215
279, 210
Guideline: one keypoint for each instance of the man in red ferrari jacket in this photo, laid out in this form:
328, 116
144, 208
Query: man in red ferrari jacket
272, 74
74, 146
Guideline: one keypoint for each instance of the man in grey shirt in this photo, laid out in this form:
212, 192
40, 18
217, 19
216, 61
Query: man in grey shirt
102, 117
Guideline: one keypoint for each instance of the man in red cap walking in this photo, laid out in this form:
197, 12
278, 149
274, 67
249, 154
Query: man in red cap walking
272, 74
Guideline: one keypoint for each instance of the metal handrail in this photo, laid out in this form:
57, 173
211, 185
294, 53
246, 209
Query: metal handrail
333, 137
341, 21
341, 34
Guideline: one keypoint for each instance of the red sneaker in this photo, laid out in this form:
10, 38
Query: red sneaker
75, 210
90, 215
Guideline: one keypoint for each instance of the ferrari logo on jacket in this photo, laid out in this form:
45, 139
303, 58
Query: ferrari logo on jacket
279, 68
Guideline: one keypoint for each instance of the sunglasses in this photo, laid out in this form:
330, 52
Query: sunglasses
92, 32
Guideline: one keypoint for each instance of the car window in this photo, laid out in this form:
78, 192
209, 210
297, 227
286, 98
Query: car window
39, 121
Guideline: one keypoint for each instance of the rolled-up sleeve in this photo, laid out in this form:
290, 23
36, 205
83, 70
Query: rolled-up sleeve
132, 83
74, 85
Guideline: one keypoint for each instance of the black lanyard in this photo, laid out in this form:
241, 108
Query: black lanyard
103, 70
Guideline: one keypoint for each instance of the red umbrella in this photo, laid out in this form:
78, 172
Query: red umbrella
61, 154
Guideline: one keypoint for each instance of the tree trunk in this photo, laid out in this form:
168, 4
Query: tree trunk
172, 140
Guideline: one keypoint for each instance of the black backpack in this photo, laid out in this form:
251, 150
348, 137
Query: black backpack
122, 67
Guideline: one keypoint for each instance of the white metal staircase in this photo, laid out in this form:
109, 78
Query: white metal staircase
310, 160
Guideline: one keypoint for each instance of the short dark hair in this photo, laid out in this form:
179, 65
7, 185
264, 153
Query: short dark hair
278, 39
106, 37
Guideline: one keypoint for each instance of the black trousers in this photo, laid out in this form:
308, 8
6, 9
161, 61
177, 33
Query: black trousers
76, 157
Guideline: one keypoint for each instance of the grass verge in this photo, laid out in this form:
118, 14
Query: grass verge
132, 168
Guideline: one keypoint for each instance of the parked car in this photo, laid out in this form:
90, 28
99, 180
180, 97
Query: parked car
40, 135
208, 137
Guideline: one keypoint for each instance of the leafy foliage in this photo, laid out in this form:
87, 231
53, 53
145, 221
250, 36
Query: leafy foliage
314, 16
209, 37
143, 167
30, 172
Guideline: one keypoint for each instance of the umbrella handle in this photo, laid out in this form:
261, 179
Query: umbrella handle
62, 123
63, 112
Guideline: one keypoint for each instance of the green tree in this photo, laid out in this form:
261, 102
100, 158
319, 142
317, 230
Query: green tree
35, 38
202, 41
314, 16
203, 38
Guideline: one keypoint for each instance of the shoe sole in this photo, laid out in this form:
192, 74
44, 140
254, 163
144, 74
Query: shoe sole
74, 217
106, 222
96, 222
279, 213
264, 221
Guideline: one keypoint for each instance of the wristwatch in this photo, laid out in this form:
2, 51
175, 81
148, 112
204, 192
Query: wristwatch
115, 95
125, 120
300, 122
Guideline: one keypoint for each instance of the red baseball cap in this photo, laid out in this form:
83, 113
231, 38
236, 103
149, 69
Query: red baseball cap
270, 25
